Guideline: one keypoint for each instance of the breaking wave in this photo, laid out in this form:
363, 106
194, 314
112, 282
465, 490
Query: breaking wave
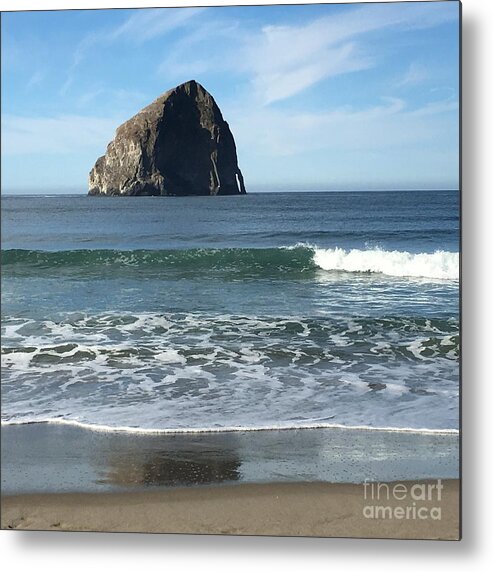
439, 264
301, 259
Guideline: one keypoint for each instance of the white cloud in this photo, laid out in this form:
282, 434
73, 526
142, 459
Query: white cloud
36, 78
414, 75
274, 133
286, 60
88, 42
144, 25
64, 134
276, 83
112, 99
436, 107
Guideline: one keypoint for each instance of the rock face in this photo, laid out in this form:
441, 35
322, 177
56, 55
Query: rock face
178, 145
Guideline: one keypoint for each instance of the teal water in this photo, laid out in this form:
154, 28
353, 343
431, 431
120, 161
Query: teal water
213, 313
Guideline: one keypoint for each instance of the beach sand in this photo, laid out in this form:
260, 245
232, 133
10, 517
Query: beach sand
296, 483
281, 509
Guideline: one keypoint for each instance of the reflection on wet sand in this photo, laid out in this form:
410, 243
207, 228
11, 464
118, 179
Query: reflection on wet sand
165, 469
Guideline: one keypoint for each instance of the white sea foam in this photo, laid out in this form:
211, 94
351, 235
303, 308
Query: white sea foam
231, 429
172, 372
439, 265
170, 356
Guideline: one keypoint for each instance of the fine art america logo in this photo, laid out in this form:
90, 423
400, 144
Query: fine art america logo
401, 501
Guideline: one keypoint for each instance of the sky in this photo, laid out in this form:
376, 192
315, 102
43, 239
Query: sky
318, 97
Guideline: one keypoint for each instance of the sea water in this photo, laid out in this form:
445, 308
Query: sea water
270, 310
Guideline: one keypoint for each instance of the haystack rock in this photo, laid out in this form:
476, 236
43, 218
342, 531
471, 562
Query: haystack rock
178, 145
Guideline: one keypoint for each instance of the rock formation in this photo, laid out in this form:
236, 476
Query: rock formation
178, 145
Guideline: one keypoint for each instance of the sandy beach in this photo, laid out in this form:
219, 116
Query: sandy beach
296, 483
283, 509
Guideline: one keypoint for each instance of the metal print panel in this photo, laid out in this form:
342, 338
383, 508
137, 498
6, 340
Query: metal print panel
230, 270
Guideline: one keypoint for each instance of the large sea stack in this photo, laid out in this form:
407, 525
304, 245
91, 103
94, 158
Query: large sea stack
178, 145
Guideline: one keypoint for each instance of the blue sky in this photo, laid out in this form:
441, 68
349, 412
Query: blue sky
356, 96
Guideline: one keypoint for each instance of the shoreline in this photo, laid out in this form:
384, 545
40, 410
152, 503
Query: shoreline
281, 509
308, 482
99, 428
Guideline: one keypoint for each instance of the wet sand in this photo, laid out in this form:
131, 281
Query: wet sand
282, 509
50, 458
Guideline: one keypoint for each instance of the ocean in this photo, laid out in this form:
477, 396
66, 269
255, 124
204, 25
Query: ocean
210, 314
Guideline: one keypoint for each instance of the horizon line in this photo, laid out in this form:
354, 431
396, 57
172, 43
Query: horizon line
254, 192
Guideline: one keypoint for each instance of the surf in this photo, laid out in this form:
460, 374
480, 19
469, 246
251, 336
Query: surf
304, 260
